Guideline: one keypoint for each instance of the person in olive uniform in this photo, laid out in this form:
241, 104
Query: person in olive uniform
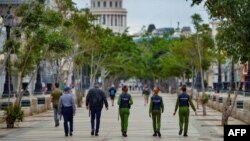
183, 101
124, 102
156, 107
55, 95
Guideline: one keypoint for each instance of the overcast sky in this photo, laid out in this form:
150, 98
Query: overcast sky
161, 13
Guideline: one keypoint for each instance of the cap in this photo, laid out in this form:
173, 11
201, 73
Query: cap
183, 88
156, 90
66, 89
125, 88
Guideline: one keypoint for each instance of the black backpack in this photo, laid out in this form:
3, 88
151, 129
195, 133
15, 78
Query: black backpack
96, 99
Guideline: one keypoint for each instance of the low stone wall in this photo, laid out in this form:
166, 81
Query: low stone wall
30, 105
1, 116
241, 109
43, 104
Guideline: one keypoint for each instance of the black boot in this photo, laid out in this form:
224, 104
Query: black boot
159, 134
185, 135
92, 132
96, 132
57, 123
155, 134
180, 132
124, 134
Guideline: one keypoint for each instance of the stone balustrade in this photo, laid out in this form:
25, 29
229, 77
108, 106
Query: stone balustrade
30, 104
241, 109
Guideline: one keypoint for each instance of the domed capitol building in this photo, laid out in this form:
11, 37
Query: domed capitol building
110, 13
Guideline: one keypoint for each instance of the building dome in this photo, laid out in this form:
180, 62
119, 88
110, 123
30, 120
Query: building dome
110, 14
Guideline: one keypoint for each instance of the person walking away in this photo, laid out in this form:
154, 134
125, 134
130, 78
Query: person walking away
156, 107
183, 101
146, 92
94, 103
55, 95
112, 92
67, 108
124, 102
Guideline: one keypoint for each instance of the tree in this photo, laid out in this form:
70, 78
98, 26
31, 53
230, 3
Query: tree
234, 18
41, 34
203, 42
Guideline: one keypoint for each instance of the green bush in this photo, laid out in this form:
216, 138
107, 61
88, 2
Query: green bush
204, 98
13, 114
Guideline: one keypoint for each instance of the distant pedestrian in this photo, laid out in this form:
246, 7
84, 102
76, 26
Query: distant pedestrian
67, 108
112, 92
124, 102
146, 92
130, 87
183, 101
55, 96
94, 103
155, 109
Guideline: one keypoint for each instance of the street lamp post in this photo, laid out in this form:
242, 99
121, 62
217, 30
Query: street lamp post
198, 82
85, 77
8, 86
247, 83
38, 85
219, 84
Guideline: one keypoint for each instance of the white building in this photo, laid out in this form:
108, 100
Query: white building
110, 14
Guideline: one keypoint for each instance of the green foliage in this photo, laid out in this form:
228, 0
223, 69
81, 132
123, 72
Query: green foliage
67, 23
58, 43
196, 20
204, 98
65, 5
13, 114
52, 18
11, 44
234, 17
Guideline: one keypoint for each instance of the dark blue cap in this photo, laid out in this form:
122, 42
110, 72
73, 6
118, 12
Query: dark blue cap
66, 89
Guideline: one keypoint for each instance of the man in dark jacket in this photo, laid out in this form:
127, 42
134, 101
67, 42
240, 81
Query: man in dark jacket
94, 102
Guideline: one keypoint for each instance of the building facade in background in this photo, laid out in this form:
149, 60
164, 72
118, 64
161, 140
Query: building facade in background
110, 14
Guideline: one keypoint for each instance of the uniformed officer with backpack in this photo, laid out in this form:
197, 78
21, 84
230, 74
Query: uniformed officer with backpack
183, 101
156, 107
94, 102
124, 102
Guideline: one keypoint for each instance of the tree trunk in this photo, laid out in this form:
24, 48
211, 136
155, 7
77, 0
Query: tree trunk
10, 124
202, 78
192, 87
197, 100
19, 91
227, 109
224, 120
204, 111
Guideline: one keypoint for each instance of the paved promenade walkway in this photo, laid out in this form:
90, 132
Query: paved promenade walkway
40, 127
